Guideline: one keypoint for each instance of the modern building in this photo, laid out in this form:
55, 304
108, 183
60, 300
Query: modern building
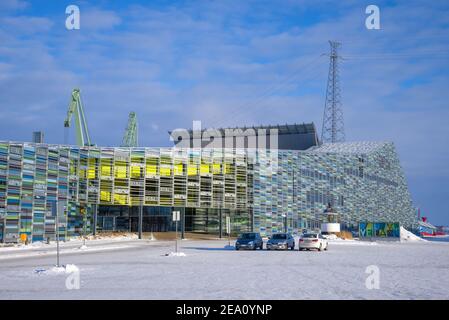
38, 137
265, 190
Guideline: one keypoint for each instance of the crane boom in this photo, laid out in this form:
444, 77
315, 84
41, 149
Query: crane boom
130, 139
76, 109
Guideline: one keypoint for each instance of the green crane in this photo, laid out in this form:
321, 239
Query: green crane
130, 138
76, 108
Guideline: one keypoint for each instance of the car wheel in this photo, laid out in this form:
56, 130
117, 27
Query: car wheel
327, 246
237, 248
254, 247
321, 247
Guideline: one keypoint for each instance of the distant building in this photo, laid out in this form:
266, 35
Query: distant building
38, 137
282, 137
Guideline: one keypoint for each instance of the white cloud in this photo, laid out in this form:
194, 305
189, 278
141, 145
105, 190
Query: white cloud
26, 24
12, 5
98, 19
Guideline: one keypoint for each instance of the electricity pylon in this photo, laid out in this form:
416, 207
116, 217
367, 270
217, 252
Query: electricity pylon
333, 129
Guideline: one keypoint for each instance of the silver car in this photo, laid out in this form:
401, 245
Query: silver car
281, 241
312, 241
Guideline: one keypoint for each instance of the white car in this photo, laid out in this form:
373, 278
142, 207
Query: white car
312, 241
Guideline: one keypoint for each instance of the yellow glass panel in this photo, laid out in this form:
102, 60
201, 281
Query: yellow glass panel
91, 173
82, 173
227, 168
120, 198
178, 171
105, 196
135, 172
120, 172
205, 168
192, 170
106, 171
151, 170
217, 168
165, 171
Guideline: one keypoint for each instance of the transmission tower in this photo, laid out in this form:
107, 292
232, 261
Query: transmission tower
130, 137
333, 129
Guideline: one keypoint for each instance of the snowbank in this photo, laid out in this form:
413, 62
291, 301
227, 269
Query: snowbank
107, 236
352, 242
331, 236
68, 268
408, 236
176, 254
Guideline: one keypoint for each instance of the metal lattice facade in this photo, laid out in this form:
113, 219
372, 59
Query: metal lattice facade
277, 189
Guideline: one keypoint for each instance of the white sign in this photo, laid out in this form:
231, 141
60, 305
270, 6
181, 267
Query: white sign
228, 225
176, 216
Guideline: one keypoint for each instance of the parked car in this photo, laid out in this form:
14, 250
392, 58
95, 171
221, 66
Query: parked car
313, 241
249, 240
281, 241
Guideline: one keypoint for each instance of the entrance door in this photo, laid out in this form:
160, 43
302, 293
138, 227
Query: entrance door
151, 224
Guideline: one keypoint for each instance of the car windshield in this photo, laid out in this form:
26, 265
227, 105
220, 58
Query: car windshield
279, 236
248, 236
310, 235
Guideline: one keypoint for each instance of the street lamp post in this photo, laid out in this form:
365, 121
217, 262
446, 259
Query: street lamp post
176, 218
285, 222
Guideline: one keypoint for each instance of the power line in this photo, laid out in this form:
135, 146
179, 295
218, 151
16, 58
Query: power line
248, 107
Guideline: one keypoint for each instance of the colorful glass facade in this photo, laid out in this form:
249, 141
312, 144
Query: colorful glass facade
272, 190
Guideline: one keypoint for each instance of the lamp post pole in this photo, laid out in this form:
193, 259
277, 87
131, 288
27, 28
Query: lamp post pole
57, 234
176, 218
285, 222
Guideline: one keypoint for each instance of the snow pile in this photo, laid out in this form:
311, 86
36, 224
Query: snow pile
175, 254
68, 268
38, 244
408, 236
57, 269
352, 242
331, 236
107, 236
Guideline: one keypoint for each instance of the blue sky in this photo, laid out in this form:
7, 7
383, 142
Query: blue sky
234, 63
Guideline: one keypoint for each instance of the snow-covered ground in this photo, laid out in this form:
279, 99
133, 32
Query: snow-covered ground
145, 269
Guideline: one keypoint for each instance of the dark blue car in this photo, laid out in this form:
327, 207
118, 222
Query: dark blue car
249, 240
